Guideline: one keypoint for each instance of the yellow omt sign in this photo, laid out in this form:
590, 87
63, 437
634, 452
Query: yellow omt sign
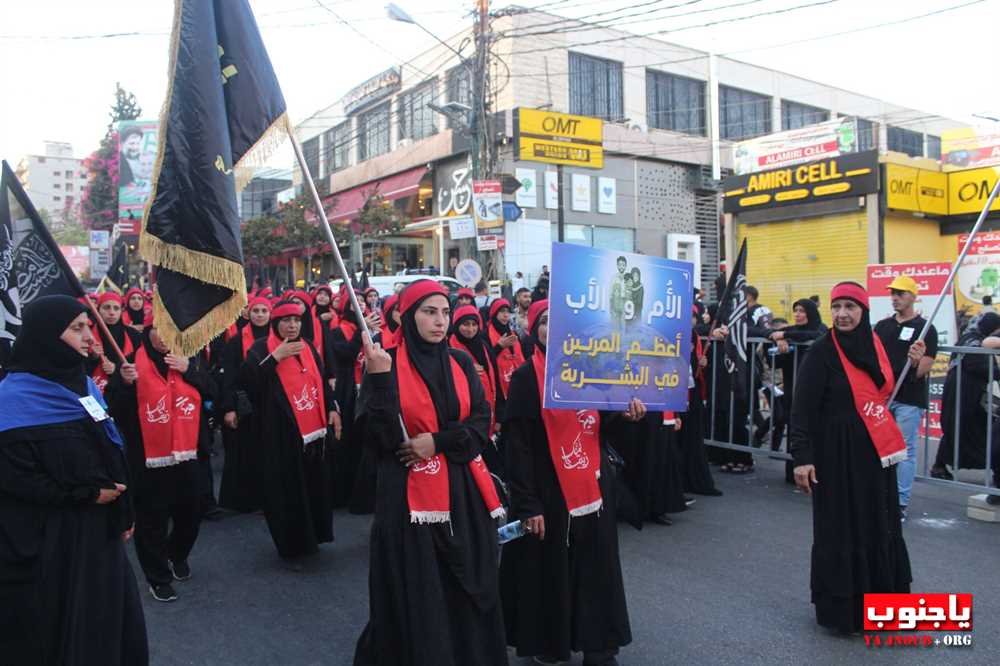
968, 190
913, 189
559, 138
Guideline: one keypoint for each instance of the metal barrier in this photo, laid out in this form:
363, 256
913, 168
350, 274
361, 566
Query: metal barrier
763, 388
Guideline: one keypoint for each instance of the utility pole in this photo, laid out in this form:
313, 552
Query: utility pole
479, 122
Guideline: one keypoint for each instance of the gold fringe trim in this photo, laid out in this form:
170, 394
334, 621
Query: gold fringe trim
255, 158
193, 339
199, 265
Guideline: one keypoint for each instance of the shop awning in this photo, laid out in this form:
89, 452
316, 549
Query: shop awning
350, 202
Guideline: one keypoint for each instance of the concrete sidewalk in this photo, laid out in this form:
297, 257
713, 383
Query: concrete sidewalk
728, 583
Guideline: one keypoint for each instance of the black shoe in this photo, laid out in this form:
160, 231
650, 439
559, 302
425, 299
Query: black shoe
547, 661
213, 513
941, 473
711, 492
902, 513
292, 564
993, 500
662, 519
688, 501
164, 592
180, 570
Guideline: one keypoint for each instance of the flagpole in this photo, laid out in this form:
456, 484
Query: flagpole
948, 283
307, 176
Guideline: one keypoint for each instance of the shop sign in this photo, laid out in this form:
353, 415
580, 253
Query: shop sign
917, 190
834, 178
979, 274
487, 203
461, 227
807, 144
968, 190
558, 138
970, 147
378, 87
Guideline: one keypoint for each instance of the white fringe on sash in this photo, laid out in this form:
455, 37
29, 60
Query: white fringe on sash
428, 517
499, 512
587, 509
313, 436
173, 459
897, 457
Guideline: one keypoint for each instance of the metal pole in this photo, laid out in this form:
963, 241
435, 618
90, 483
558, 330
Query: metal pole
958, 414
560, 211
927, 430
711, 434
989, 420
948, 283
774, 400
307, 176
751, 424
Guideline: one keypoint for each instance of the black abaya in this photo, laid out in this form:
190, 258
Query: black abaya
564, 593
858, 544
652, 466
345, 456
432, 588
67, 592
294, 478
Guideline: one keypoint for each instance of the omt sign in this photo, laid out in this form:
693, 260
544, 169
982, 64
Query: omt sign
558, 138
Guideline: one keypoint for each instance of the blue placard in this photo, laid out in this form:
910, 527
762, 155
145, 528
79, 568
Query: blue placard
619, 328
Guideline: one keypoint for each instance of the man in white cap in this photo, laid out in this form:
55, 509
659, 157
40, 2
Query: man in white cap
899, 334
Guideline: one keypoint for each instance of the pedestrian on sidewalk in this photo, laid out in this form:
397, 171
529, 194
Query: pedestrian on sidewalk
846, 445
899, 334
561, 583
157, 399
67, 592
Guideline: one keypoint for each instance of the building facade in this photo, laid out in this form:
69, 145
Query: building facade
54, 180
671, 116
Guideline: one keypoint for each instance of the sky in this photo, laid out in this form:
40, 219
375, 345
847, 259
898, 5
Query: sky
59, 66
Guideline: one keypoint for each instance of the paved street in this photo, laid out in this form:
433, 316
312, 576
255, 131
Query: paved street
727, 583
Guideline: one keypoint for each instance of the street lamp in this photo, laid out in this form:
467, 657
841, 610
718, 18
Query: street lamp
397, 13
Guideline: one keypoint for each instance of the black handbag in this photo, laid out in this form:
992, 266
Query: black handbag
244, 407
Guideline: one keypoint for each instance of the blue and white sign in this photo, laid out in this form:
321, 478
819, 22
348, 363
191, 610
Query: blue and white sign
619, 328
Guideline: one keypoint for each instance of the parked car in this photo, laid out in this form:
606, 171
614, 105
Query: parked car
389, 284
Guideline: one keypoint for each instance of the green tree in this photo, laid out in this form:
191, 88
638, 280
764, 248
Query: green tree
99, 202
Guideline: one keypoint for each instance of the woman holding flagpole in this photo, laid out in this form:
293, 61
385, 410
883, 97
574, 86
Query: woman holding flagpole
562, 583
433, 575
845, 444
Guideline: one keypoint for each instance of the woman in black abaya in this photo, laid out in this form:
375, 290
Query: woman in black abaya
67, 592
696, 475
433, 577
845, 458
561, 584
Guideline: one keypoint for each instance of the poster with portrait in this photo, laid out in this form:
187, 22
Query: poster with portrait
137, 145
619, 328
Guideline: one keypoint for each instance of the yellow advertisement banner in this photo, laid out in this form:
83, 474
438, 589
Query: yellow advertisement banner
913, 189
559, 138
968, 190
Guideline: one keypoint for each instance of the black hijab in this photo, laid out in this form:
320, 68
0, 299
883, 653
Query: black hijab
135, 317
814, 321
157, 357
38, 348
859, 347
433, 363
474, 345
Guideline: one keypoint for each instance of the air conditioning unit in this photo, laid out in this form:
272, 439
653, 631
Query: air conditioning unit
702, 179
637, 126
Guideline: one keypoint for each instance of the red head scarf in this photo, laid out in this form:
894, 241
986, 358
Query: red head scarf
109, 296
535, 311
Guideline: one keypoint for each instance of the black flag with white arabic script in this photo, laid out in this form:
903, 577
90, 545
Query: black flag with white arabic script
118, 271
733, 313
223, 115
31, 264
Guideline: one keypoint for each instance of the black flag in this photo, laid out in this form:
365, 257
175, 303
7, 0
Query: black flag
118, 271
31, 264
733, 313
223, 115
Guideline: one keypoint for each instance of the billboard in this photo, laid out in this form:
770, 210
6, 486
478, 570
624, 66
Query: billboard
558, 138
137, 148
970, 147
619, 328
819, 141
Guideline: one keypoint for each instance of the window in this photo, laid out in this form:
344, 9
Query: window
57, 198
310, 150
595, 87
56, 186
416, 119
69, 201
675, 103
459, 88
905, 141
41, 160
933, 146
867, 134
743, 114
69, 187
56, 174
795, 115
337, 147
607, 238
373, 133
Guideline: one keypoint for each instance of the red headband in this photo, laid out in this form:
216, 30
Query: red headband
109, 296
254, 302
302, 296
535, 311
497, 304
286, 309
467, 311
134, 291
850, 290
465, 291
390, 303
324, 288
418, 291
370, 290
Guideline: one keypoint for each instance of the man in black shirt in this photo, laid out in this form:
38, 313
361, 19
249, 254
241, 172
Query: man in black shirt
899, 334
